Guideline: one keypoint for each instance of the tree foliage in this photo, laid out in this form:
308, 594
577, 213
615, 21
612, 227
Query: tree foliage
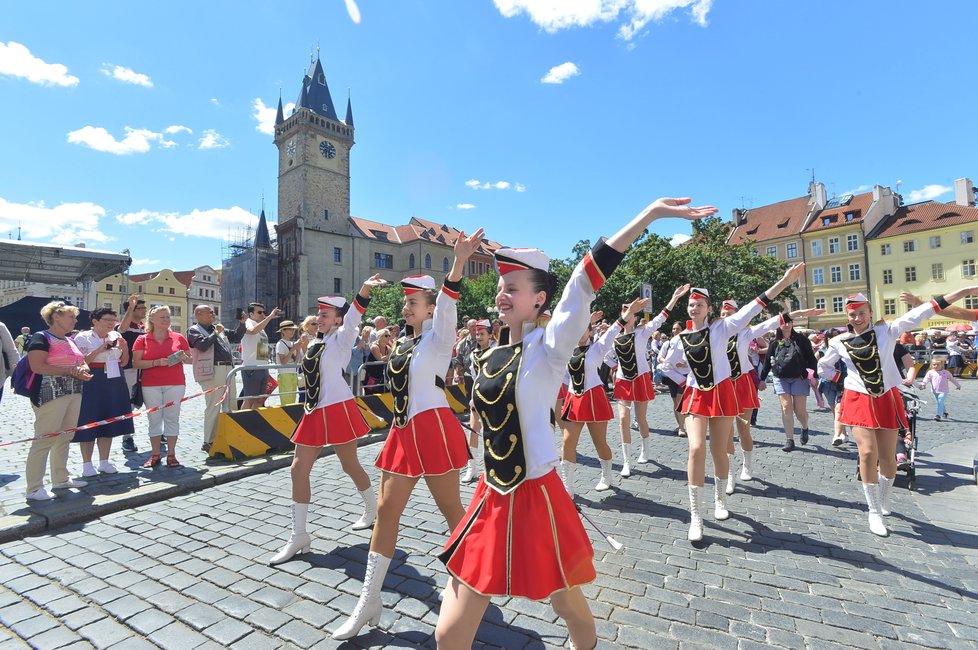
478, 296
387, 302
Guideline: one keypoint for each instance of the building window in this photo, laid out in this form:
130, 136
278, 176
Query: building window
337, 255
159, 289
445, 266
836, 273
411, 261
175, 310
471, 267
816, 248
108, 287
910, 246
885, 249
173, 291
791, 250
818, 276
383, 261
820, 303
910, 273
837, 304
427, 261
850, 216
971, 302
967, 268
325, 215
967, 236
337, 286
755, 252
887, 276
855, 273
889, 306
937, 271
852, 242
833, 245
772, 251
935, 241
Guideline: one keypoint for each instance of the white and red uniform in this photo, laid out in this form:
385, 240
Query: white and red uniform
426, 437
633, 377
586, 399
870, 397
740, 364
331, 416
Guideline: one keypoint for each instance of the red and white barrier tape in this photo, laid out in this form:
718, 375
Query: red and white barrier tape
119, 418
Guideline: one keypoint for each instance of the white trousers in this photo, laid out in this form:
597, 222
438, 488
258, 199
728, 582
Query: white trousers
166, 420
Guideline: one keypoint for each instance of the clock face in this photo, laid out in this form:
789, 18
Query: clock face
327, 149
290, 148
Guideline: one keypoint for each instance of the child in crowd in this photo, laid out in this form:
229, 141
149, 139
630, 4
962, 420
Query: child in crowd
938, 378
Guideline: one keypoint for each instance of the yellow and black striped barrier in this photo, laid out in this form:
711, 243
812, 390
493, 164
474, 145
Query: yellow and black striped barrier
255, 432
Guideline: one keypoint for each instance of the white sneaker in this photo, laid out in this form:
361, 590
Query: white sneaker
89, 470
41, 495
70, 483
107, 467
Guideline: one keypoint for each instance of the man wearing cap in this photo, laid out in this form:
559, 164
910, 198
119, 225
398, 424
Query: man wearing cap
210, 349
287, 352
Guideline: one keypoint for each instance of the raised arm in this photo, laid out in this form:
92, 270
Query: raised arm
446, 305
349, 331
951, 311
732, 324
659, 209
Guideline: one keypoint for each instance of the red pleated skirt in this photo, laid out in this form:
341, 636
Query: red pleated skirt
746, 391
563, 393
719, 402
528, 543
335, 424
634, 390
883, 412
592, 406
431, 443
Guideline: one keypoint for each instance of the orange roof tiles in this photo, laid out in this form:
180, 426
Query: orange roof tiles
780, 219
926, 216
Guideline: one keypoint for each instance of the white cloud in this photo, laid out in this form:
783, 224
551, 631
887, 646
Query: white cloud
126, 75
144, 262
215, 101
679, 238
859, 190
498, 185
136, 140
464, 206
17, 61
561, 73
927, 193
213, 140
67, 223
177, 128
214, 223
265, 115
552, 16
519, 187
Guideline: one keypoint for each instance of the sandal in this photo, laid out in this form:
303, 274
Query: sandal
152, 461
171, 461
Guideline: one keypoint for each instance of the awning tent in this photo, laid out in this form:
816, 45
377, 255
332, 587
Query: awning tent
32, 262
26, 312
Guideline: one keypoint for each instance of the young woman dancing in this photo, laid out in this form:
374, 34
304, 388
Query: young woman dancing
674, 377
483, 341
521, 535
710, 399
633, 379
871, 403
331, 415
426, 440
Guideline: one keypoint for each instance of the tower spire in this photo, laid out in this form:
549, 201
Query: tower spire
280, 115
349, 109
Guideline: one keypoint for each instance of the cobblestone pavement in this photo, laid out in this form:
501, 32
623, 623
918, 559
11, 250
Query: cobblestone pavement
795, 566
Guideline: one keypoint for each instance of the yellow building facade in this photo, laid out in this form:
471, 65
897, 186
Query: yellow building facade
160, 288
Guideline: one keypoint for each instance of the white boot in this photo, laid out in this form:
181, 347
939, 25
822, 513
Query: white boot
469, 474
746, 474
876, 525
720, 499
645, 453
731, 474
369, 607
567, 475
886, 486
604, 482
366, 520
299, 541
695, 518
626, 467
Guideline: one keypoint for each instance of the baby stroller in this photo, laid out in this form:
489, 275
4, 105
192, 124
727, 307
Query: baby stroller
906, 438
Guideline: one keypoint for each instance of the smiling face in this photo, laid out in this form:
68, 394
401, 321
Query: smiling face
418, 307
698, 310
677, 329
160, 320
481, 338
326, 318
861, 318
515, 298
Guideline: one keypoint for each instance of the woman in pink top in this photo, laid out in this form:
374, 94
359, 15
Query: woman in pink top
160, 354
939, 379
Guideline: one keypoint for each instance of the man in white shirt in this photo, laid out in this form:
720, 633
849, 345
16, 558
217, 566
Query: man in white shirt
254, 352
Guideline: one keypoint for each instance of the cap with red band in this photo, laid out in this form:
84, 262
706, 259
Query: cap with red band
730, 304
508, 260
416, 283
483, 325
699, 294
336, 302
856, 301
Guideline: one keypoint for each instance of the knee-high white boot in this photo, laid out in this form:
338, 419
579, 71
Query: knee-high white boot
604, 482
366, 520
731, 474
299, 541
626, 466
720, 499
567, 475
886, 486
695, 518
876, 525
469, 474
645, 449
369, 607
746, 474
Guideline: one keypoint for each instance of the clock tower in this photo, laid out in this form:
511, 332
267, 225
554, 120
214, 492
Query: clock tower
313, 197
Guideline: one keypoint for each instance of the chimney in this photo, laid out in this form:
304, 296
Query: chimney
885, 204
80, 244
817, 192
964, 193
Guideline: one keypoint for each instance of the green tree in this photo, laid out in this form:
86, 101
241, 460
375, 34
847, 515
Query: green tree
387, 302
478, 295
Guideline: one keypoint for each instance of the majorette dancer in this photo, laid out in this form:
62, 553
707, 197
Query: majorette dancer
871, 403
738, 355
587, 402
633, 378
674, 377
426, 439
521, 535
483, 341
331, 415
709, 399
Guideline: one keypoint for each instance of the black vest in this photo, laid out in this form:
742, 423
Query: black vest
733, 357
865, 354
625, 351
494, 397
312, 374
398, 371
576, 368
696, 349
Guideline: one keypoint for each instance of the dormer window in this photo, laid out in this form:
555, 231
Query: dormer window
322, 79
850, 216
826, 221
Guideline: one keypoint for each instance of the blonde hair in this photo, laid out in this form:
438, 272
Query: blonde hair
153, 312
56, 307
934, 363
306, 321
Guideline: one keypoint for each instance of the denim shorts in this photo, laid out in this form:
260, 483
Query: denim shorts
799, 386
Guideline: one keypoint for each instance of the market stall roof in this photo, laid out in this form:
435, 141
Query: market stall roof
32, 262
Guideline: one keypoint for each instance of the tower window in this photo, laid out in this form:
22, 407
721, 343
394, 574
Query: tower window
322, 79
326, 215
427, 261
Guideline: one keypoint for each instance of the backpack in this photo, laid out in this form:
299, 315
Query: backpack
23, 378
788, 362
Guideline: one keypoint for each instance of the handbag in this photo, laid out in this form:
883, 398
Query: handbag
137, 391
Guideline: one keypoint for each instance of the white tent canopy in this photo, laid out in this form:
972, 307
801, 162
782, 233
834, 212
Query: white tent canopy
32, 262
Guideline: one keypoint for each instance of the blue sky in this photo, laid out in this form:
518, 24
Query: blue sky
137, 125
